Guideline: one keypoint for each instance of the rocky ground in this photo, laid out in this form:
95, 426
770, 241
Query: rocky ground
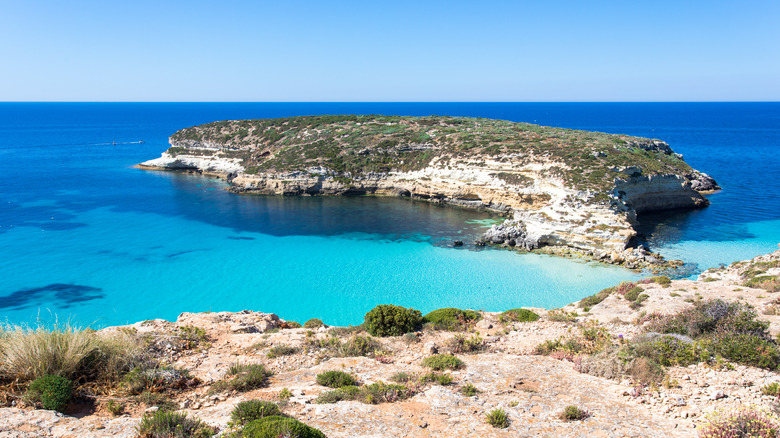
532, 389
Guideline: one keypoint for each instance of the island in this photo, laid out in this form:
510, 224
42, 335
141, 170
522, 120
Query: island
563, 191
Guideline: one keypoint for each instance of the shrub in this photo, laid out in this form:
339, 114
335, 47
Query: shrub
469, 390
772, 389
359, 346
156, 378
441, 379
291, 324
390, 320
285, 394
746, 349
276, 426
452, 319
63, 350
573, 413
669, 350
633, 293
313, 323
498, 418
624, 287
251, 410
244, 377
711, 316
662, 280
461, 344
741, 422
560, 316
115, 408
165, 424
281, 350
53, 392
592, 300
192, 336
336, 379
441, 362
518, 315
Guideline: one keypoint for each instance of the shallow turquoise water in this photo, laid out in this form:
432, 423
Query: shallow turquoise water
85, 235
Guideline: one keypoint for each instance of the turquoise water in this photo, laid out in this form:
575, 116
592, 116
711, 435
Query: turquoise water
86, 236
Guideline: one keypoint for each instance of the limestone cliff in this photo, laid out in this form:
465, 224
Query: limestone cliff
562, 188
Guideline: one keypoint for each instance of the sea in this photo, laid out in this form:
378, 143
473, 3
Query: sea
87, 238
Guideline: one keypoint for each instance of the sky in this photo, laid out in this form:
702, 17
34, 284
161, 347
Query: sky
410, 51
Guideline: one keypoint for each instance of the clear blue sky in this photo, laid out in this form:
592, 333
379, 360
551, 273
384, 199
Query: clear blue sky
389, 51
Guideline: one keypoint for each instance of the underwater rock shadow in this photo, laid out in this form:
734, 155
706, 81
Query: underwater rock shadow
65, 294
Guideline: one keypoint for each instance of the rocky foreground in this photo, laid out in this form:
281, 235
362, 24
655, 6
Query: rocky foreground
565, 191
503, 367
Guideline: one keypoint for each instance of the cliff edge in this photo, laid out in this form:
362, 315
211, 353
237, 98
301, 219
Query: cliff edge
564, 190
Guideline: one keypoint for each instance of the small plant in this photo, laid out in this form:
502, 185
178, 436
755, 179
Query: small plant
411, 338
115, 408
559, 315
469, 390
251, 410
192, 336
374, 393
313, 323
281, 350
462, 344
518, 315
291, 325
285, 394
336, 379
53, 392
498, 418
243, 377
633, 293
359, 346
772, 389
741, 422
440, 378
452, 319
592, 300
573, 413
166, 424
440, 362
156, 378
161, 401
390, 320
277, 426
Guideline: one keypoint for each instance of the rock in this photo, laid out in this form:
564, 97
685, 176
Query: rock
717, 395
457, 243
151, 409
484, 324
430, 347
677, 400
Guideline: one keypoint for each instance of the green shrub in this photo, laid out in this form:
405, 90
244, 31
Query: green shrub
244, 377
192, 336
498, 418
53, 392
336, 379
573, 413
285, 394
633, 293
115, 408
165, 424
156, 378
560, 315
518, 315
390, 320
441, 379
592, 300
709, 317
359, 346
772, 389
313, 323
461, 344
740, 422
452, 319
441, 362
746, 349
281, 350
251, 410
669, 350
662, 280
292, 324
277, 426
469, 390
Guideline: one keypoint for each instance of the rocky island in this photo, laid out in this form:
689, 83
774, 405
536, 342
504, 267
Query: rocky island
563, 191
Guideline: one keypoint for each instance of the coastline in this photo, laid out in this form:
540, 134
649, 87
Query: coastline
507, 370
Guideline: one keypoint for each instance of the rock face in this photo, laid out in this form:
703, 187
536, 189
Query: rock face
561, 188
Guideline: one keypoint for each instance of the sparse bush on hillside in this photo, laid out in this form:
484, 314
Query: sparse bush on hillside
166, 424
313, 323
251, 410
741, 422
518, 315
390, 320
277, 426
336, 379
441, 362
452, 319
53, 392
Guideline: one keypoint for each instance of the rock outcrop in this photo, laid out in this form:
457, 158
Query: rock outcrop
563, 189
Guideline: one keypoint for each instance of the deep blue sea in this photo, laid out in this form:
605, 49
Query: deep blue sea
85, 236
